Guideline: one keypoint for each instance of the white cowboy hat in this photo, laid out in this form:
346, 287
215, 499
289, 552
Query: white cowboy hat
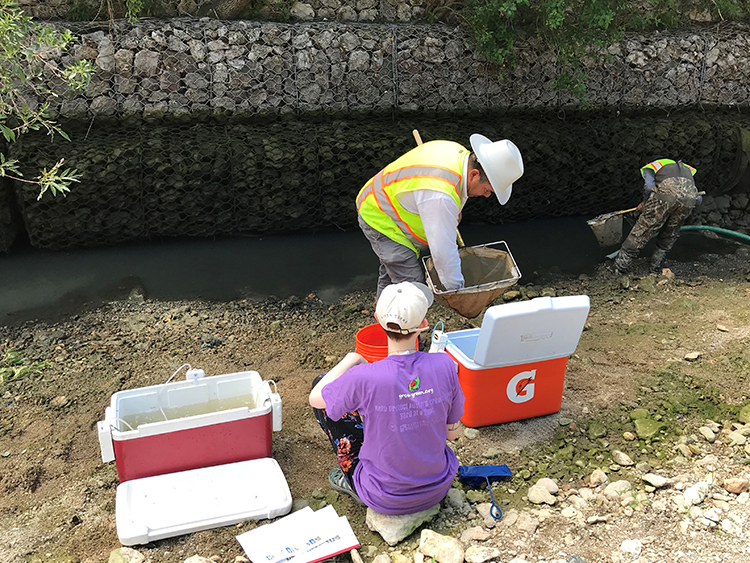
501, 162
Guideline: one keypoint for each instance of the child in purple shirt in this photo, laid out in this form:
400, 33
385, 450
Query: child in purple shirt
389, 421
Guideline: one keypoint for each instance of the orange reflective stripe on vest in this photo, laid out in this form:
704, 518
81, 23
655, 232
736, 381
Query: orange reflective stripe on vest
376, 188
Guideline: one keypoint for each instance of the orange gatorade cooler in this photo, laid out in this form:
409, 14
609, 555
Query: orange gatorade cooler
513, 367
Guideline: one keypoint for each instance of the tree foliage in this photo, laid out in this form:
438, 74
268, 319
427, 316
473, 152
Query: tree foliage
28, 50
570, 27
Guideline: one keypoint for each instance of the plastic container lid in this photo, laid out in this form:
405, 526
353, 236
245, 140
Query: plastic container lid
173, 504
517, 333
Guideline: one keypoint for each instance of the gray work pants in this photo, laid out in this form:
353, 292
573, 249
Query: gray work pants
398, 263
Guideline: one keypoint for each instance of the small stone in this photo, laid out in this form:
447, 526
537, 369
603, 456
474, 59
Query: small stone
621, 458
745, 414
126, 555
59, 401
597, 519
569, 512
647, 428
527, 523
444, 549
596, 430
730, 527
598, 477
484, 509
656, 480
471, 433
477, 533
642, 467
629, 436
708, 434
696, 494
538, 494
615, 491
511, 295
684, 450
562, 421
492, 453
548, 484
737, 439
692, 356
637, 414
480, 554
722, 328
633, 547
736, 485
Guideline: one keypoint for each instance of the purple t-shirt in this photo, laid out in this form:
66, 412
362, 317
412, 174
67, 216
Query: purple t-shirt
405, 403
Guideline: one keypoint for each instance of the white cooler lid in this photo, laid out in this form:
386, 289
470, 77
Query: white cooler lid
173, 504
536, 330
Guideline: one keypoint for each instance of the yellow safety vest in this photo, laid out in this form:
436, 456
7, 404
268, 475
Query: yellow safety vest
657, 165
436, 165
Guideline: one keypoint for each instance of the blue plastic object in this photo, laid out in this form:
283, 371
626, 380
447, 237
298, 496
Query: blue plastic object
475, 475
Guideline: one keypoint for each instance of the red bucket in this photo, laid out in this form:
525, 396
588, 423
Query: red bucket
372, 343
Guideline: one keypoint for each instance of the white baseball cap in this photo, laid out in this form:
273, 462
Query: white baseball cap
404, 304
501, 161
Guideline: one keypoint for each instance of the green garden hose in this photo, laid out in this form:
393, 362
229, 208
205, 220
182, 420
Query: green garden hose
739, 236
719, 230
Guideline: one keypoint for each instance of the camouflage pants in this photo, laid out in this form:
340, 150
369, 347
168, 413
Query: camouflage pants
663, 215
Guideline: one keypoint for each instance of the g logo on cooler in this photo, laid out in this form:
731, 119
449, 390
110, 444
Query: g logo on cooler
521, 387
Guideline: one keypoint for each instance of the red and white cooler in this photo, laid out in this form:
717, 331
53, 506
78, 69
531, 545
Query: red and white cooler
194, 454
513, 367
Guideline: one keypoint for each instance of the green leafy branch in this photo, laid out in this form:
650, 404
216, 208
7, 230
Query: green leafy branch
27, 51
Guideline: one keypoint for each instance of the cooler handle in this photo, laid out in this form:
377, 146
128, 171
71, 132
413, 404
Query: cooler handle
106, 446
274, 398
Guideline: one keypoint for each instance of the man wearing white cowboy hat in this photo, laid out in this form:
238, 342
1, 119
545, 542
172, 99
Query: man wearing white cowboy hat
415, 203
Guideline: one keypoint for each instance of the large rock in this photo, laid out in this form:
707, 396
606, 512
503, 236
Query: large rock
745, 414
393, 529
444, 549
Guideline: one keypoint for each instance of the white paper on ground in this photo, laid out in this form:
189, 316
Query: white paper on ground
302, 537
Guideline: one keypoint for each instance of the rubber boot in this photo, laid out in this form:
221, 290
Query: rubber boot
624, 260
657, 259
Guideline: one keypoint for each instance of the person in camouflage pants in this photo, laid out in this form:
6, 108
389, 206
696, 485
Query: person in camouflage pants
670, 196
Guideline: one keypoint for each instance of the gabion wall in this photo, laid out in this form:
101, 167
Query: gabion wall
307, 10
227, 176
209, 127
184, 66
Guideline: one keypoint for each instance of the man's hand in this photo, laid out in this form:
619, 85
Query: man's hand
640, 206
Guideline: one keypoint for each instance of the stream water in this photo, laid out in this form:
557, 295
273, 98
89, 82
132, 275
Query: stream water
43, 285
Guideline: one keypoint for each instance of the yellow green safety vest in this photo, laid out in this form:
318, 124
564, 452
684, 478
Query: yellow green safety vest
657, 166
436, 165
